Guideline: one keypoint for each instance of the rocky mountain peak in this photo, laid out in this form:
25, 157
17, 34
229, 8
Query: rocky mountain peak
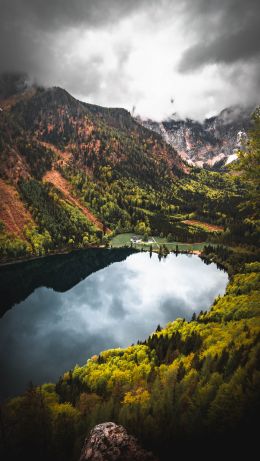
212, 142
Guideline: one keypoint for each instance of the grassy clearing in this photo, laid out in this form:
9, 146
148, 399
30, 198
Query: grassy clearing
121, 240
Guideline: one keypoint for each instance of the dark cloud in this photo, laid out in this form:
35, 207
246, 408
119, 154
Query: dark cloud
53, 14
227, 31
28, 28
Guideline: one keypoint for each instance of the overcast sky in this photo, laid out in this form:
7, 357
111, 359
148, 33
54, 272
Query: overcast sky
204, 54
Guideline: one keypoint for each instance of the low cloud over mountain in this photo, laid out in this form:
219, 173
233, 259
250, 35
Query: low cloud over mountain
204, 55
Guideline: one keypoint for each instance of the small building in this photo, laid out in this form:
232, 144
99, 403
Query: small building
135, 239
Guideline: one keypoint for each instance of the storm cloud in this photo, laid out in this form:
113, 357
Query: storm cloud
29, 28
203, 54
228, 31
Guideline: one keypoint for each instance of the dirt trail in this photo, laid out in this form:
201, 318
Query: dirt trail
12, 210
210, 227
55, 178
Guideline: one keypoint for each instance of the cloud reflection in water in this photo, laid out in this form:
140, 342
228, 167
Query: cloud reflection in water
50, 332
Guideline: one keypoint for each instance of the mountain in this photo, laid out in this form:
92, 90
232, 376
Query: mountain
84, 135
72, 174
212, 143
68, 169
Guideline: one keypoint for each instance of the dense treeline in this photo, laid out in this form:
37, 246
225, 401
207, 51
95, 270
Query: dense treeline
244, 225
125, 174
188, 381
209, 196
232, 259
59, 223
37, 156
126, 205
11, 246
190, 384
37, 159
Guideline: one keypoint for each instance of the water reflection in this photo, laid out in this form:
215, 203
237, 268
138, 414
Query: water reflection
60, 272
50, 331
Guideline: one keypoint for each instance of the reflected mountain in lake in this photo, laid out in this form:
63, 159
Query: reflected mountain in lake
60, 272
50, 331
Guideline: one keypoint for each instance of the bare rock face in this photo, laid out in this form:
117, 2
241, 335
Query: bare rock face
211, 143
110, 442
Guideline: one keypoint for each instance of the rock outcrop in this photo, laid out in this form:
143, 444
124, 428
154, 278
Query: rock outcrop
211, 143
111, 442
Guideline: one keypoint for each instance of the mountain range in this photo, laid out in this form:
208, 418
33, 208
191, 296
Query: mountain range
211, 143
72, 173
51, 144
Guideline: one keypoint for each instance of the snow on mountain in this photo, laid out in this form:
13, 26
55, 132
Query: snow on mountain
214, 141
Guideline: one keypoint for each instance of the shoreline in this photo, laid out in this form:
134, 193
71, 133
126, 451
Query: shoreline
68, 251
34, 257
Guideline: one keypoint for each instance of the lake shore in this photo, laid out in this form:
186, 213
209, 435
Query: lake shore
71, 307
140, 247
54, 253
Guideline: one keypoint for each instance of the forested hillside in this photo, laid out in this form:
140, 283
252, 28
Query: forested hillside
81, 173
189, 383
192, 386
49, 131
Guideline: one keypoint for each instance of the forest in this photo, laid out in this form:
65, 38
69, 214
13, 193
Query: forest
188, 381
191, 383
126, 175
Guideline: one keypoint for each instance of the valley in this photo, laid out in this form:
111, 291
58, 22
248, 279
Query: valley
119, 325
83, 163
129, 230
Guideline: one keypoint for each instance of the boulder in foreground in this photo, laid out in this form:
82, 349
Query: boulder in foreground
110, 442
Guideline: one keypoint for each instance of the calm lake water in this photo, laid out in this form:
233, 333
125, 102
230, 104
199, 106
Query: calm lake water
61, 310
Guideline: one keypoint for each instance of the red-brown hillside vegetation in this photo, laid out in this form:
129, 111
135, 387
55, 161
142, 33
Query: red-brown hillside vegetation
12, 210
55, 178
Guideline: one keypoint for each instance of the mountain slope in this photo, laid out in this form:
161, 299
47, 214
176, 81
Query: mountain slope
82, 170
212, 142
96, 136
190, 386
12, 211
51, 144
54, 177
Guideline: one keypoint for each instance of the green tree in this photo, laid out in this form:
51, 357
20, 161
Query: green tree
249, 163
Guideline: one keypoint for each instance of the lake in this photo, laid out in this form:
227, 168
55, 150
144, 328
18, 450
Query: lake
61, 310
